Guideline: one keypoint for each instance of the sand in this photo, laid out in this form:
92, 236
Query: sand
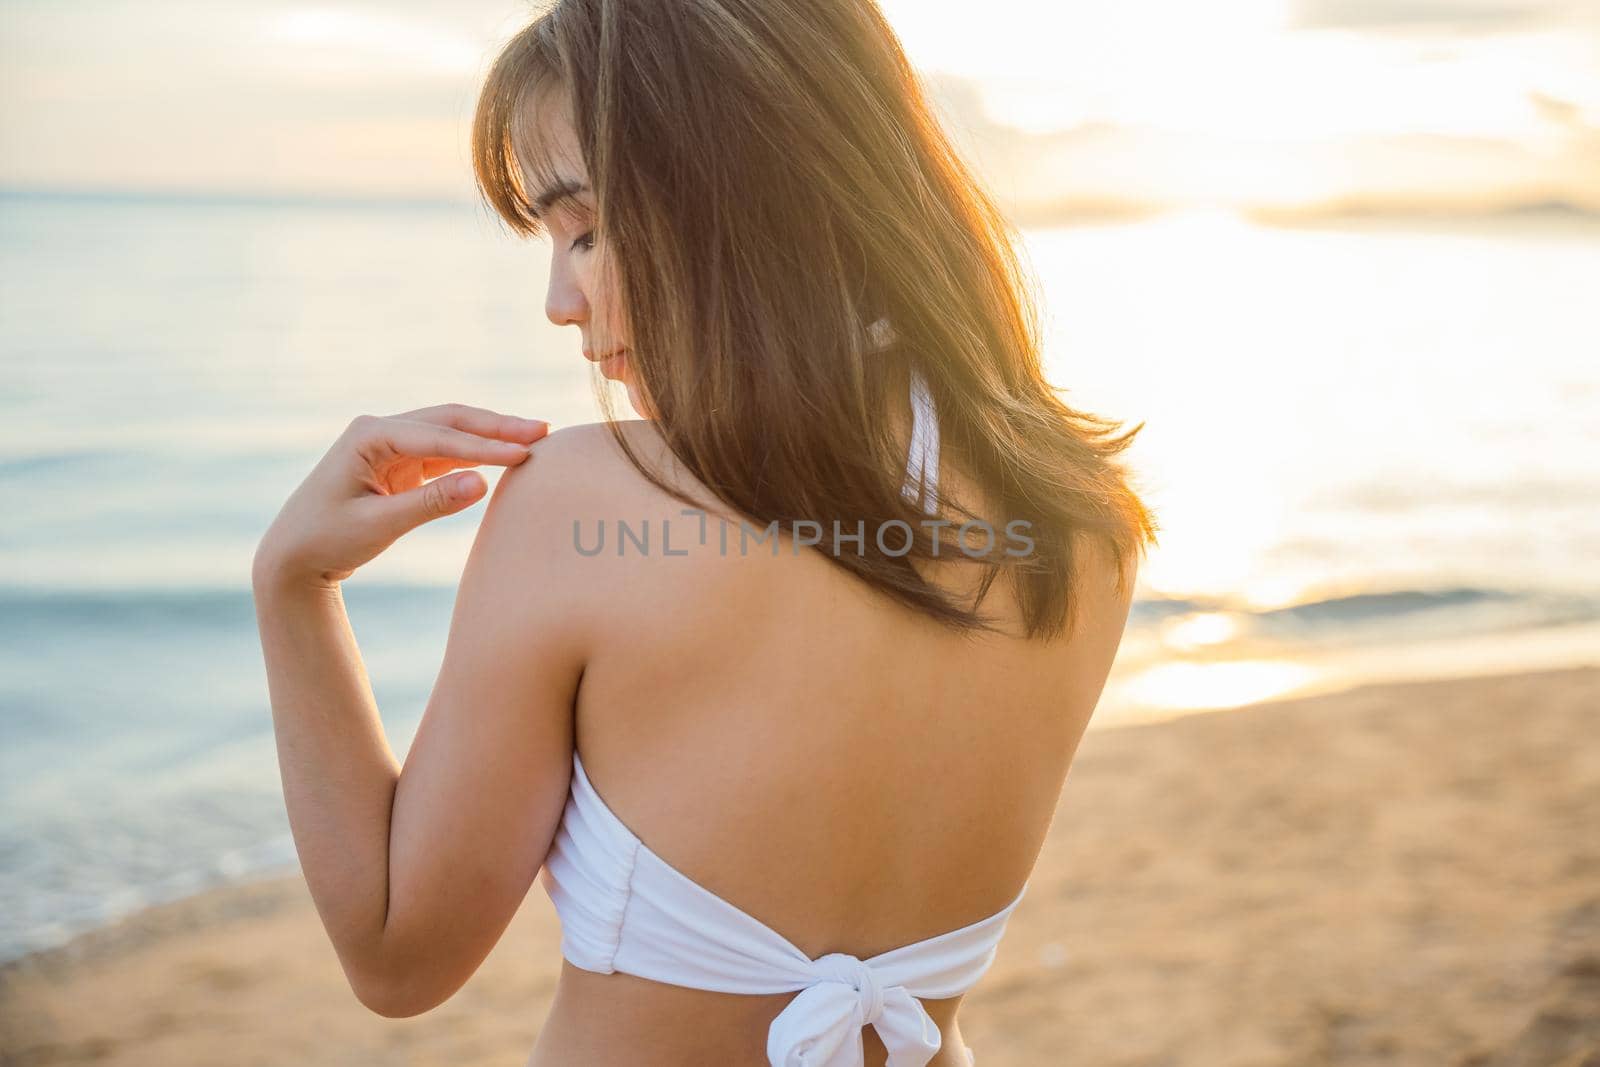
1397, 874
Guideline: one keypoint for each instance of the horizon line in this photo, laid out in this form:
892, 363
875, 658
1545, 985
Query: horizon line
1065, 210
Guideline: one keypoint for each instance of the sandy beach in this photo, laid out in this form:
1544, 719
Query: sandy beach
1397, 874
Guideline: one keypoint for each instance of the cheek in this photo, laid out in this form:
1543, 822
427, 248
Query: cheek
614, 315
606, 298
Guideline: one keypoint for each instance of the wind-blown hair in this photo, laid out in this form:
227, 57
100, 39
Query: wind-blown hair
771, 180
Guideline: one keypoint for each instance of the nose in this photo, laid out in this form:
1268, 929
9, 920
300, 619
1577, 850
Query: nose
564, 302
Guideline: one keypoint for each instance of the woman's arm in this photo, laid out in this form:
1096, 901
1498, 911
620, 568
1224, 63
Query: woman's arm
339, 774
417, 870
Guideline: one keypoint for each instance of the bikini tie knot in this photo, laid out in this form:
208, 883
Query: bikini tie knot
848, 969
822, 1026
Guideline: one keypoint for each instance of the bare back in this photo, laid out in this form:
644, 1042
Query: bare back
849, 772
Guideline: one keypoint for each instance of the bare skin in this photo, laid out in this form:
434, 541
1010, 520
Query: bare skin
840, 767
837, 766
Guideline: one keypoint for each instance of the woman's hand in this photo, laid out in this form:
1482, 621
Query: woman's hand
372, 487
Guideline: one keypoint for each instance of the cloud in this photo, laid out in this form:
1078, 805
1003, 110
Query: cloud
1104, 169
353, 96
1554, 109
1439, 16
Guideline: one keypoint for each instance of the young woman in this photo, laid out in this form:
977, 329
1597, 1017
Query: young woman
776, 687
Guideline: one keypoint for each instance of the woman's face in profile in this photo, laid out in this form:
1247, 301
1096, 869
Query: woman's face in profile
583, 288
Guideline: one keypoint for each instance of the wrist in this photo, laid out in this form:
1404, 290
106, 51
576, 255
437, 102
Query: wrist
273, 571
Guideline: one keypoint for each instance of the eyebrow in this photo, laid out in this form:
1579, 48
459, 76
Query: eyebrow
561, 190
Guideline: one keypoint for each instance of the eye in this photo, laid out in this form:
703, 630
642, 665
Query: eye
586, 242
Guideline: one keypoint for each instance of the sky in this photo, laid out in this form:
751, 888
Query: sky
1065, 107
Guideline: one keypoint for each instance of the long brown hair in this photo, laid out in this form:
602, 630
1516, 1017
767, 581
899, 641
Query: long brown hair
770, 180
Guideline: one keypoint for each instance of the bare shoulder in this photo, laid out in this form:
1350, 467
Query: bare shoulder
571, 468
525, 553
580, 524
584, 462
585, 445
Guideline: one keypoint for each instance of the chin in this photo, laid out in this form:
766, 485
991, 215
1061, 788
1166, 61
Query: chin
636, 398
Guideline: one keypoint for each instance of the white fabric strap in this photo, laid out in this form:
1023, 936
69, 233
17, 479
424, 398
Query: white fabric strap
623, 908
922, 467
922, 464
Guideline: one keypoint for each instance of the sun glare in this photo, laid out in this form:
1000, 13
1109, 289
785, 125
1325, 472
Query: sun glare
383, 39
1239, 71
1199, 631
1186, 686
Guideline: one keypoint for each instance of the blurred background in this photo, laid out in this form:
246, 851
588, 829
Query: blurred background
1342, 257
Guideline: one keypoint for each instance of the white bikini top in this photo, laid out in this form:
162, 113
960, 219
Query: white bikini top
922, 469
623, 908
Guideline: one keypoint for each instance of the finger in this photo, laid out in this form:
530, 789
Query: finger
481, 421
426, 440
432, 468
402, 512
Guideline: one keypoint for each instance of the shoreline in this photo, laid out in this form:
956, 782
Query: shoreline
1129, 699
1179, 656
1390, 873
